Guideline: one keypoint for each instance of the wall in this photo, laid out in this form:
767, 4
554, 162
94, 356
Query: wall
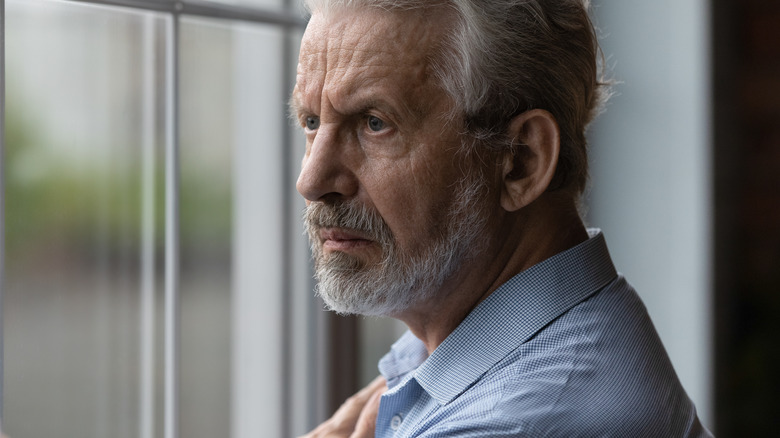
651, 173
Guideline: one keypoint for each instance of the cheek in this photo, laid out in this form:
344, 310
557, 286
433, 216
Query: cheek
414, 193
414, 208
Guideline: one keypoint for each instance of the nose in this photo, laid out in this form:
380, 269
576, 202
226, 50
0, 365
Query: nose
325, 172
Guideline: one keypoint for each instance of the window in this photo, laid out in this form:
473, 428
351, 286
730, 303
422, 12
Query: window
156, 278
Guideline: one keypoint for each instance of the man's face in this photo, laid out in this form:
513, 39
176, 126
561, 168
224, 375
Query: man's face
393, 209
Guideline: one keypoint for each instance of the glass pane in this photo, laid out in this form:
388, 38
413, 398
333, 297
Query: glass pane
84, 124
232, 211
206, 224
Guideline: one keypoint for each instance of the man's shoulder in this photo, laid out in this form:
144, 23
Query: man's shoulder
597, 369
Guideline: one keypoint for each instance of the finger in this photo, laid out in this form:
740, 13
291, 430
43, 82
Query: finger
343, 423
356, 402
366, 423
366, 393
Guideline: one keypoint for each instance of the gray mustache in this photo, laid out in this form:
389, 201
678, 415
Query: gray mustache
351, 215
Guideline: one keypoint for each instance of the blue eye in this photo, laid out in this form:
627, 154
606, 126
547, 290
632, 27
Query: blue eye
312, 122
375, 124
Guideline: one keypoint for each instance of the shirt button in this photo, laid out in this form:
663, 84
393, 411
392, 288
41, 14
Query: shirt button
395, 422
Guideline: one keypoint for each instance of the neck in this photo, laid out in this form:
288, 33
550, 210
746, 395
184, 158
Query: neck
517, 241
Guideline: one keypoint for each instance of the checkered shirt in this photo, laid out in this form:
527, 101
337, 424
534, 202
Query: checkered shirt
564, 349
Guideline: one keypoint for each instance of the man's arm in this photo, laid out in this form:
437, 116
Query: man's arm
356, 418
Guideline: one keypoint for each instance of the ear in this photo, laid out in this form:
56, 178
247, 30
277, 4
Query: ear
528, 168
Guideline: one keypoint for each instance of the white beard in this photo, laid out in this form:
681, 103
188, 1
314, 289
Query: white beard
400, 280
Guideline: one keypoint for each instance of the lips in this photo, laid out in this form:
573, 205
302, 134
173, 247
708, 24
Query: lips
337, 239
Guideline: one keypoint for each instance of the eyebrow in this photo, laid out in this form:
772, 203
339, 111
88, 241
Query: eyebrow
358, 104
294, 107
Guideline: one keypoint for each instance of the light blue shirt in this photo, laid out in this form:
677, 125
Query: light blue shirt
564, 349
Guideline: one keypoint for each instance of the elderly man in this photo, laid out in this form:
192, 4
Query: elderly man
445, 155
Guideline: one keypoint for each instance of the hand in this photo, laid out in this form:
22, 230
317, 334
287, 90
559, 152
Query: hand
356, 418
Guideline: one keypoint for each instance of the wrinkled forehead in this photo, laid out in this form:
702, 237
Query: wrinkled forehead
341, 38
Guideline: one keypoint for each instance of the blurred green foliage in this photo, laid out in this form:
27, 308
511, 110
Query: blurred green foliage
53, 207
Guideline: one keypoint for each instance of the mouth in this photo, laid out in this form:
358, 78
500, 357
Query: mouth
336, 239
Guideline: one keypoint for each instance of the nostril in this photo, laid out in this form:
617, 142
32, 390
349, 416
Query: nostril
331, 198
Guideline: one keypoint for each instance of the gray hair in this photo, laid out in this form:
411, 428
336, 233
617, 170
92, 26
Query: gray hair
504, 57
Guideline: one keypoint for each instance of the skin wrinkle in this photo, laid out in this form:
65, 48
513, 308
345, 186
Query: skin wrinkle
356, 67
339, 101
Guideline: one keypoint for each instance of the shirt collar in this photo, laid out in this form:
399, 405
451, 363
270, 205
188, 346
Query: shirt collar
406, 354
507, 318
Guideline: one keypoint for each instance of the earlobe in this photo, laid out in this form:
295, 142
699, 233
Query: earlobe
529, 166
